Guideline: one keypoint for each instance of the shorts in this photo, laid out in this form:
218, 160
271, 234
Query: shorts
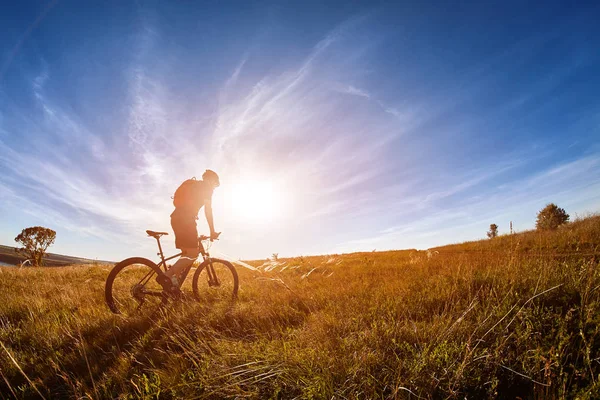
186, 232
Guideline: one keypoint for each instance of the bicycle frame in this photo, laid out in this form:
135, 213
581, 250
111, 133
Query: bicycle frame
183, 276
136, 288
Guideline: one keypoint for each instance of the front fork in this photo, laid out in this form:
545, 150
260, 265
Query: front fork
213, 280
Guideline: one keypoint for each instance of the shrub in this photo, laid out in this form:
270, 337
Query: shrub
35, 242
493, 232
551, 217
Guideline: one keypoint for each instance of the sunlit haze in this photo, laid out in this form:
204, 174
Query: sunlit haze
255, 202
334, 127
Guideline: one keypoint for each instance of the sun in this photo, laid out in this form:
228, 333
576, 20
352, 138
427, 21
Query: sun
256, 201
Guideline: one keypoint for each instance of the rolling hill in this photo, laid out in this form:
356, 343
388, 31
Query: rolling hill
517, 316
9, 256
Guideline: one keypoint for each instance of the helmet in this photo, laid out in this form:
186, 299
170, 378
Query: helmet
210, 175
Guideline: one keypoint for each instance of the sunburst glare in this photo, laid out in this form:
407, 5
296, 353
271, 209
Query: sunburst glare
256, 201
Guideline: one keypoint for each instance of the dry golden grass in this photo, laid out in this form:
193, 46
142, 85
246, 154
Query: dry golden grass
514, 316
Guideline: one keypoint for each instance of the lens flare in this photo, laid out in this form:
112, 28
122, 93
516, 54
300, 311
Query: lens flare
256, 201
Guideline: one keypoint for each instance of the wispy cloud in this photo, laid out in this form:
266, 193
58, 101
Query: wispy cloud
370, 152
354, 91
427, 226
281, 128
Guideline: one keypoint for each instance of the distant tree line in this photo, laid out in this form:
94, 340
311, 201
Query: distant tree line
36, 240
548, 218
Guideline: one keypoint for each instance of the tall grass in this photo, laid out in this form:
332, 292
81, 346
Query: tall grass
513, 316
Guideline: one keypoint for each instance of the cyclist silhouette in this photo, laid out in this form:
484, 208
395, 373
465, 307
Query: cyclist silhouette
189, 198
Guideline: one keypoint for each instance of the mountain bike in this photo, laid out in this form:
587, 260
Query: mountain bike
132, 287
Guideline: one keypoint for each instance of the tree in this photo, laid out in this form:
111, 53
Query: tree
493, 232
550, 217
35, 242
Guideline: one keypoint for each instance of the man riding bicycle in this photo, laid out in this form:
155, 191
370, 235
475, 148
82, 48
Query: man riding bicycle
189, 198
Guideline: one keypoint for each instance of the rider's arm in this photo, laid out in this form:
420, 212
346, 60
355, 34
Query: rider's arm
209, 215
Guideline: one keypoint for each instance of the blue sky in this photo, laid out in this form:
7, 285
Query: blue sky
377, 125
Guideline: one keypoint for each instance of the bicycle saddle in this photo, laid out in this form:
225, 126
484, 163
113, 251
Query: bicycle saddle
156, 235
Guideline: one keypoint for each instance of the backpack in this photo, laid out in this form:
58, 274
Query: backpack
187, 195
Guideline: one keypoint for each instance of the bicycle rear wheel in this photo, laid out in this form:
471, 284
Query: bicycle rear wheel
131, 287
215, 279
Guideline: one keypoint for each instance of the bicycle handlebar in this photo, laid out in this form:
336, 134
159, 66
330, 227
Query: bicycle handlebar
204, 237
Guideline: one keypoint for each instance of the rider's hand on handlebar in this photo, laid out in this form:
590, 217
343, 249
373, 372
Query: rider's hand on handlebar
214, 235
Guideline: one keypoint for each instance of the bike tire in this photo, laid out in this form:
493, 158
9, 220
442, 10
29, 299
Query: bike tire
115, 293
228, 281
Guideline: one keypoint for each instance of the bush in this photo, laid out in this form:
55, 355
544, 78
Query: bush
35, 242
493, 232
551, 217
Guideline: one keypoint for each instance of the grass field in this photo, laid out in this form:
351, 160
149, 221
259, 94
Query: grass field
518, 315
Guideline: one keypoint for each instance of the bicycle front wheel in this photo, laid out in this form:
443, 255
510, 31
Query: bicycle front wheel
215, 279
131, 287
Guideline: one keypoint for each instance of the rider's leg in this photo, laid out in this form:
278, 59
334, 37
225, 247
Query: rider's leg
186, 239
188, 256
